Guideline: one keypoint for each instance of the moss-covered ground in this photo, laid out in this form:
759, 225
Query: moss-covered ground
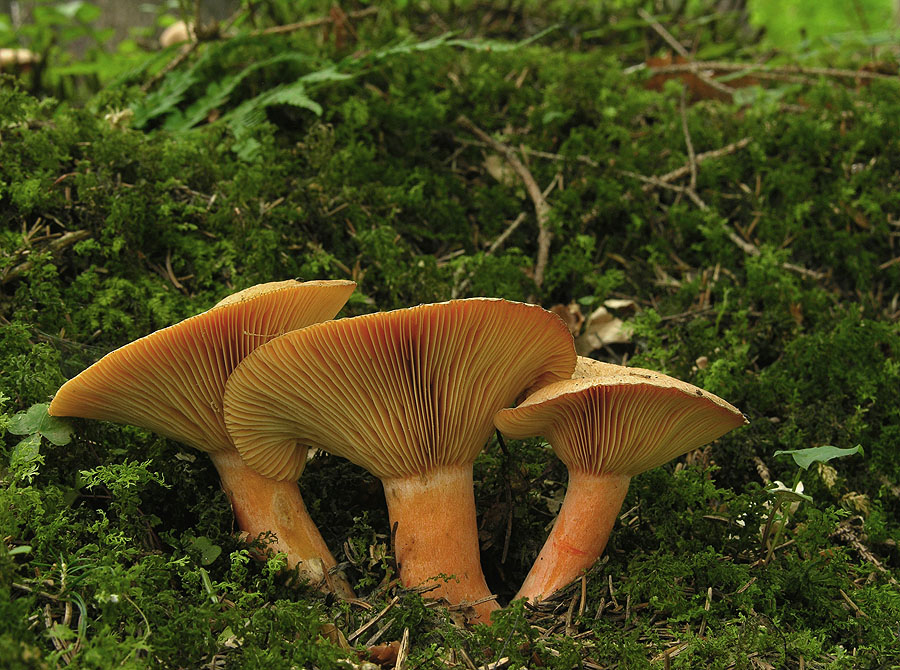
372, 148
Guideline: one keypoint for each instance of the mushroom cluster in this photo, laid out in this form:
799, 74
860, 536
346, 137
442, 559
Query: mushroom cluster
412, 396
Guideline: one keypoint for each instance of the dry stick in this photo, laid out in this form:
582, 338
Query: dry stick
681, 51
371, 622
761, 70
372, 640
171, 65
541, 208
747, 247
656, 181
58, 244
458, 288
668, 176
587, 160
692, 157
700, 158
403, 651
853, 605
312, 23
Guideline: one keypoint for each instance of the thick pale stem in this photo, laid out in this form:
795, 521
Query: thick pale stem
262, 505
579, 534
437, 534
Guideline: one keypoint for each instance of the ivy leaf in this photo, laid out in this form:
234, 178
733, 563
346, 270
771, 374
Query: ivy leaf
806, 457
36, 420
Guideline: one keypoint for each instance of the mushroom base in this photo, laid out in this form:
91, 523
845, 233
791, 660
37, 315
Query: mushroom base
263, 505
579, 534
437, 535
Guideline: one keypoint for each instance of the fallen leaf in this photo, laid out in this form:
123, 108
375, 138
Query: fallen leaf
334, 635
571, 316
620, 304
384, 654
602, 328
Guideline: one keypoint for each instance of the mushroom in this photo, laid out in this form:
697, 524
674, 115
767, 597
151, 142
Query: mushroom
607, 425
172, 382
410, 396
178, 32
18, 59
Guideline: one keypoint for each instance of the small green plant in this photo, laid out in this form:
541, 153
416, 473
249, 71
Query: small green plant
786, 500
36, 425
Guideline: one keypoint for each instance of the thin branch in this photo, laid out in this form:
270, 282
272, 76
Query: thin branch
510, 229
183, 53
746, 247
700, 158
681, 51
541, 208
58, 244
761, 70
312, 23
460, 286
692, 157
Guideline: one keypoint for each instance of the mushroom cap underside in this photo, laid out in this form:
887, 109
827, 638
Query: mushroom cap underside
172, 381
395, 392
620, 424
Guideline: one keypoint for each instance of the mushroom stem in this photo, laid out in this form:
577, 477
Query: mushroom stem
262, 505
437, 534
579, 534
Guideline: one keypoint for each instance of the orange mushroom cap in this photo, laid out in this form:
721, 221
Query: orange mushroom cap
620, 420
395, 392
172, 381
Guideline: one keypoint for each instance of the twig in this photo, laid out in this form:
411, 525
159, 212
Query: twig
58, 244
312, 23
465, 604
403, 651
762, 470
171, 275
371, 622
856, 610
681, 51
747, 247
183, 53
753, 250
692, 157
460, 286
510, 229
700, 158
541, 208
656, 181
387, 624
887, 264
846, 533
760, 70
706, 613
581, 158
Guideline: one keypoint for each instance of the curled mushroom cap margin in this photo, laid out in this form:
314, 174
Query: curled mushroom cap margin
613, 419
